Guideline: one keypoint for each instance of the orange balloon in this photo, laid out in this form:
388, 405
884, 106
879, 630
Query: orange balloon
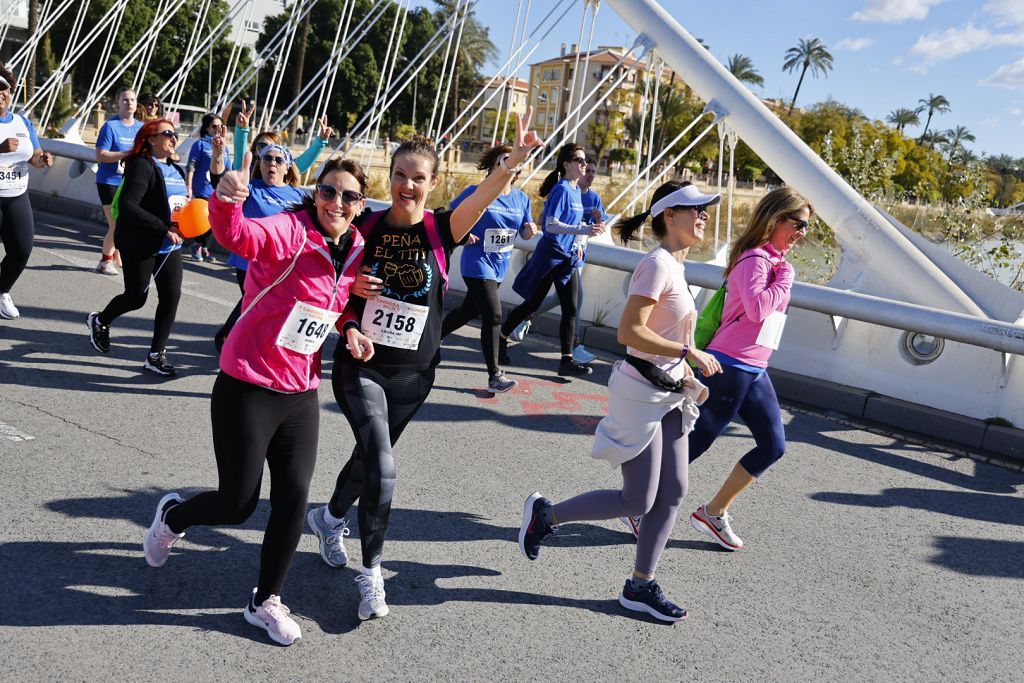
194, 219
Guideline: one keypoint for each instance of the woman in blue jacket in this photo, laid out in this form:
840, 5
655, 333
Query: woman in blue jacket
485, 260
557, 256
198, 174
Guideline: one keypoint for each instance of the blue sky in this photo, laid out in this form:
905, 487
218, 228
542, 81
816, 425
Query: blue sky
887, 53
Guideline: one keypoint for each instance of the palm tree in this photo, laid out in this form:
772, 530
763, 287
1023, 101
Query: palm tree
934, 103
743, 69
903, 117
935, 137
955, 139
809, 53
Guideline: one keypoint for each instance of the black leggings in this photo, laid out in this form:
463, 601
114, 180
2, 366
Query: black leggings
378, 408
252, 425
17, 229
236, 312
136, 280
481, 301
566, 299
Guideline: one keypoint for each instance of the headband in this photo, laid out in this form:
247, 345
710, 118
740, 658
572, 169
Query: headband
684, 196
278, 148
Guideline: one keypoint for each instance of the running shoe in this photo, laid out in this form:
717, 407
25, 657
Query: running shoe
107, 267
272, 617
332, 545
633, 523
207, 257
7, 308
157, 363
196, 251
570, 367
650, 600
500, 383
371, 597
717, 528
534, 529
581, 355
99, 334
157, 543
519, 334
503, 356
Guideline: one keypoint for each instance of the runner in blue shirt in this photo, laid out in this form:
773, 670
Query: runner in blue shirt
113, 144
593, 212
198, 175
484, 262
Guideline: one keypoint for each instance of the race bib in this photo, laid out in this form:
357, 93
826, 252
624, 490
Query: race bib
771, 330
394, 323
12, 178
306, 328
499, 240
177, 202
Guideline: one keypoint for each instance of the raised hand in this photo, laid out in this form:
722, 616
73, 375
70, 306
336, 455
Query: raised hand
526, 140
234, 185
245, 115
325, 130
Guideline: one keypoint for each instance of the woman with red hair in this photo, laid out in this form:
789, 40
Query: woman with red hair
146, 234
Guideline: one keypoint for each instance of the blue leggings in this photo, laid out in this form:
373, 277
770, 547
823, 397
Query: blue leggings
752, 397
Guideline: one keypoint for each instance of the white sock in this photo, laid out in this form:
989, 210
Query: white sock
331, 519
372, 571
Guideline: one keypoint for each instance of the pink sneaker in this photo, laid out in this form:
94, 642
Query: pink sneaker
272, 617
157, 542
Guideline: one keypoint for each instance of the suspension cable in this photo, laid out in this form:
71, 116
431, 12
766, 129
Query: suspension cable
576, 63
391, 72
277, 76
596, 4
444, 70
383, 74
453, 70
204, 10
57, 76
506, 78
721, 160
235, 56
522, 41
323, 98
101, 65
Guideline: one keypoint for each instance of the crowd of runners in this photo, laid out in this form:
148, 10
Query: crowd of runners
309, 261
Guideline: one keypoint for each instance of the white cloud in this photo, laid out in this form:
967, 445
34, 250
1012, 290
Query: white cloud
895, 11
1009, 12
853, 44
1010, 76
953, 42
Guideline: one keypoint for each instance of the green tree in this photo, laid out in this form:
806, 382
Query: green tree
933, 103
955, 139
903, 117
743, 69
809, 53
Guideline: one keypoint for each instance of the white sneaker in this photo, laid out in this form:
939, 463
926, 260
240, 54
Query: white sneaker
581, 355
107, 268
519, 333
272, 617
7, 308
371, 597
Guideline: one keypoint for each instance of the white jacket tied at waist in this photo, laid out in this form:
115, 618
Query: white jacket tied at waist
635, 410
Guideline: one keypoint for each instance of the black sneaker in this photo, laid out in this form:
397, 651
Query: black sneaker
650, 600
573, 368
503, 357
157, 363
99, 335
534, 529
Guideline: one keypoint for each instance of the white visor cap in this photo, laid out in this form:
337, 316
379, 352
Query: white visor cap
684, 196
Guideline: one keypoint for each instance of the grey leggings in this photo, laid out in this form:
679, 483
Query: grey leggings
653, 485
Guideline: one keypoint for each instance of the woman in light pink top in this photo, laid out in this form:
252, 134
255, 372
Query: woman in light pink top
758, 281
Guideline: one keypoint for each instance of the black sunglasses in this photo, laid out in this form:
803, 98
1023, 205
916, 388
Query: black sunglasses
703, 208
329, 192
798, 223
273, 159
582, 161
169, 134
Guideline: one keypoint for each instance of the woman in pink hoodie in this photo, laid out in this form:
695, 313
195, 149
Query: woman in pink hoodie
264, 405
758, 280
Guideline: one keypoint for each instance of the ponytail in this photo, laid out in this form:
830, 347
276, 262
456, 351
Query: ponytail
549, 183
628, 227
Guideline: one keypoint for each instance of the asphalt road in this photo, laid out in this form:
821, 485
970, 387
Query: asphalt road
867, 558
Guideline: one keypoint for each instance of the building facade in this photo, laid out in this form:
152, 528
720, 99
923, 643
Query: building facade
481, 132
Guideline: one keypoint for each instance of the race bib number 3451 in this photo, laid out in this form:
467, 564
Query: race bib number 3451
394, 323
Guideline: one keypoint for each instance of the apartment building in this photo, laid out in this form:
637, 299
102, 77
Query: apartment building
481, 131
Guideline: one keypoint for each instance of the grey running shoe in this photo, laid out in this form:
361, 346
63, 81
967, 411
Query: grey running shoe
371, 597
332, 545
500, 383
716, 528
157, 543
107, 268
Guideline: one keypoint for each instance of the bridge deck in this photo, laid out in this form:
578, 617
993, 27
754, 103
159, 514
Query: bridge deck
867, 557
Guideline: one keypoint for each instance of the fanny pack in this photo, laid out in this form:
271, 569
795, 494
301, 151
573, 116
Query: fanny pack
655, 375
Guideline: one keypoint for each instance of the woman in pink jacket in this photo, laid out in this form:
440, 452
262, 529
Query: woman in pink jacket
758, 281
264, 404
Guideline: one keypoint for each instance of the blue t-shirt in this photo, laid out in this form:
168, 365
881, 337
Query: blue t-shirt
177, 194
591, 201
115, 137
565, 204
199, 158
488, 258
265, 200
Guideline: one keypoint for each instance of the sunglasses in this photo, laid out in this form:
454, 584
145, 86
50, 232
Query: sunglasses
798, 223
273, 159
582, 161
328, 193
703, 208
168, 134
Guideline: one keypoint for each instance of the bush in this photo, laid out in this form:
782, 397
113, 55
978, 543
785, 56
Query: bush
623, 155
